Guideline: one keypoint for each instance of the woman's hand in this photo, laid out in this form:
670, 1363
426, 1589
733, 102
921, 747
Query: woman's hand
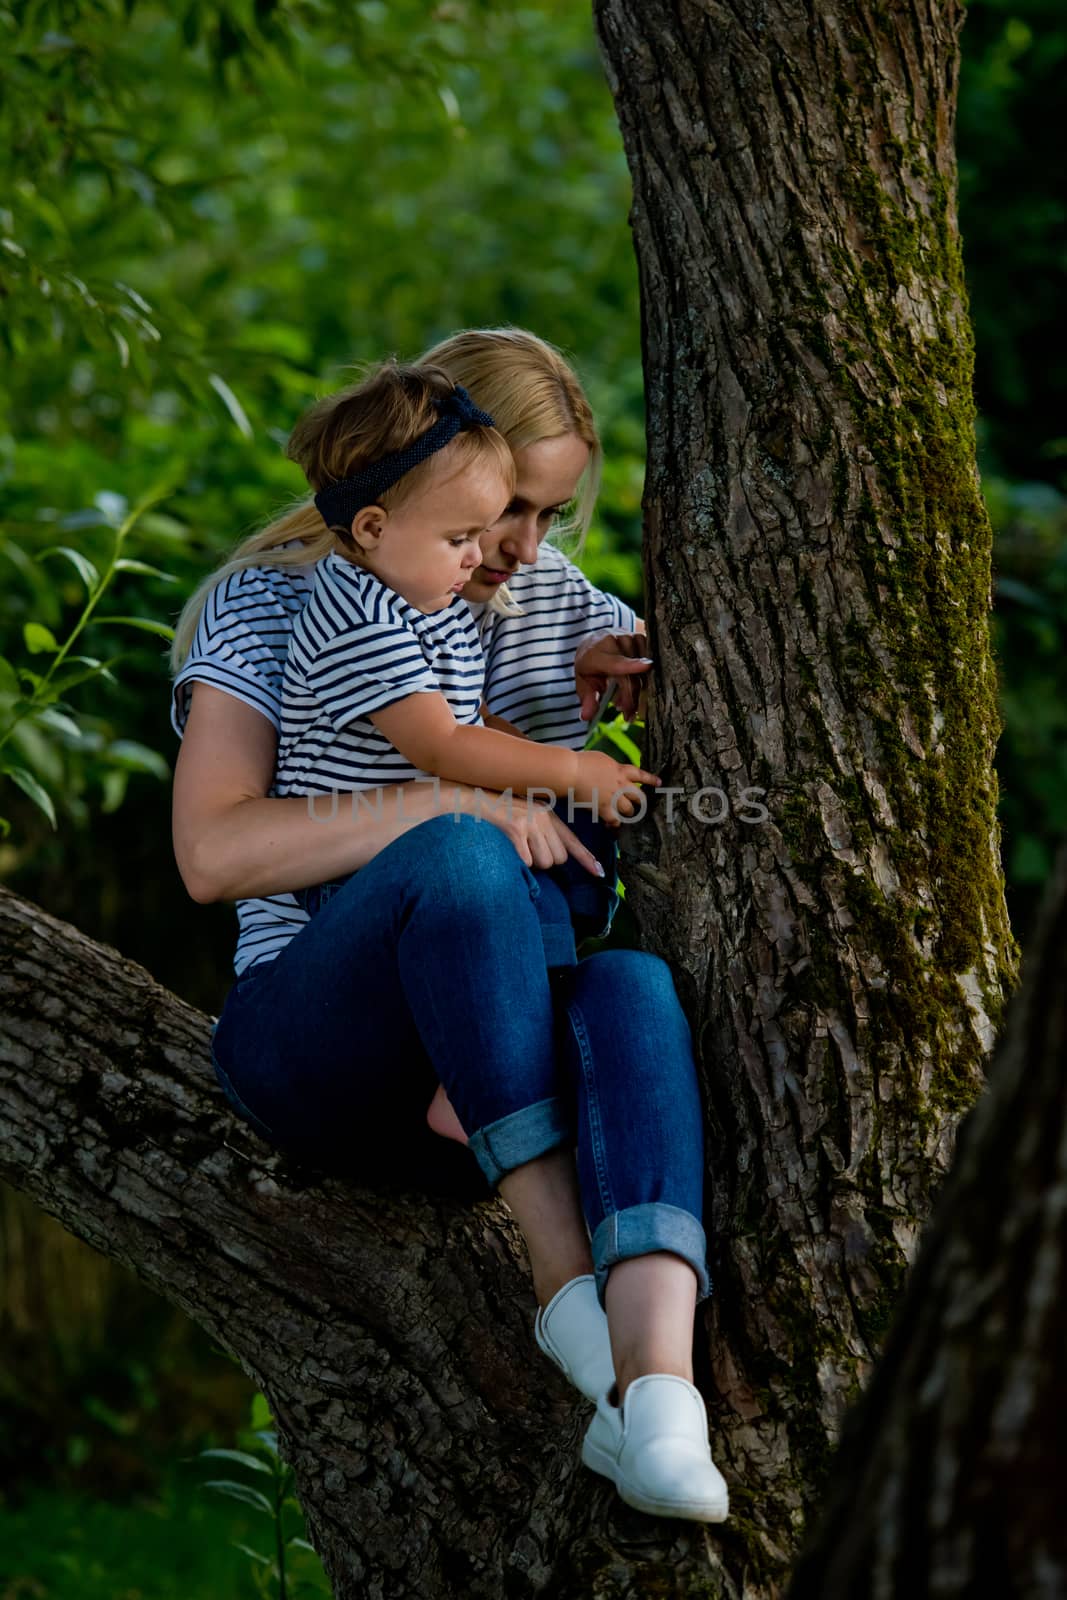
541, 839
612, 785
611, 655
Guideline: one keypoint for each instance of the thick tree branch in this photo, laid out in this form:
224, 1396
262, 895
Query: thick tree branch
436, 1450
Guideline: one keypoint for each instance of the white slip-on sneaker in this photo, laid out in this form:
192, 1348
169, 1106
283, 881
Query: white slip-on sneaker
600, 1447
662, 1463
572, 1330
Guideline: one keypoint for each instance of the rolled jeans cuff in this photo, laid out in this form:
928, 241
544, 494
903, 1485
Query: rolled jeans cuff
503, 1145
640, 1229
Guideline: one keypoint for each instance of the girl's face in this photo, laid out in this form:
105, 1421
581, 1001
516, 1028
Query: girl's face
547, 475
427, 547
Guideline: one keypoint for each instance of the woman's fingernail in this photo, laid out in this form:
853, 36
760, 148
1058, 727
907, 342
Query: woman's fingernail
598, 869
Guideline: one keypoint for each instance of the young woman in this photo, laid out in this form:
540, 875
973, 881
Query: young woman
448, 954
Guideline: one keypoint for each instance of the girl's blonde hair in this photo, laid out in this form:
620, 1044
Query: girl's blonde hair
526, 386
395, 405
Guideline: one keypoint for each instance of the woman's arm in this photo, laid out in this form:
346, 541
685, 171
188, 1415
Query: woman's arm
232, 840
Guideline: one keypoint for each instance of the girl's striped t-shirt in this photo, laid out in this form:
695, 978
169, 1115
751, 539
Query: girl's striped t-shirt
357, 647
242, 642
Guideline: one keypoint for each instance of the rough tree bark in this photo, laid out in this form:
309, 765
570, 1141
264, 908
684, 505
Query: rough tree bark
817, 558
435, 1449
950, 1480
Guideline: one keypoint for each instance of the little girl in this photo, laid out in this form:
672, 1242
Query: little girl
384, 676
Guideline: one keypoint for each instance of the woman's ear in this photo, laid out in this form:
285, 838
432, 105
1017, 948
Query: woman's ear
367, 527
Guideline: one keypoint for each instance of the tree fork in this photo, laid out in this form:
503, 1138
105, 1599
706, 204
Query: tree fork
817, 560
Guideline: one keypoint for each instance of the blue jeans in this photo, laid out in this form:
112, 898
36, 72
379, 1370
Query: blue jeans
446, 959
592, 902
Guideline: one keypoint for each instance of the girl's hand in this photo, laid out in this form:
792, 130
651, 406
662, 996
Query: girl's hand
541, 839
612, 784
610, 655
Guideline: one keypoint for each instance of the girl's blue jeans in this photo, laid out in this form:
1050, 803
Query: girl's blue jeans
446, 959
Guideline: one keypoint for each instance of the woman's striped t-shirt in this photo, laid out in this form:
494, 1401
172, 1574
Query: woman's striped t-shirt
357, 647
242, 641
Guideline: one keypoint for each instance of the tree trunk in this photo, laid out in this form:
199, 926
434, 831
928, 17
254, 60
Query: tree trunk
951, 1477
435, 1448
818, 573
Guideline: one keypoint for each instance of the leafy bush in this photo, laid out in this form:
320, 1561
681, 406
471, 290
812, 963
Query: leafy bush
290, 1567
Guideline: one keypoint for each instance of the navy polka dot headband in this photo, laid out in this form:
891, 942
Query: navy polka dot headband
339, 502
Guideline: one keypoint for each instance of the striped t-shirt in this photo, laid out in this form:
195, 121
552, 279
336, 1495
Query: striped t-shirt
357, 647
242, 640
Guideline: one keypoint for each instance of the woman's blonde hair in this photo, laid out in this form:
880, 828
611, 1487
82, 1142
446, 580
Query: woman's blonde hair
529, 390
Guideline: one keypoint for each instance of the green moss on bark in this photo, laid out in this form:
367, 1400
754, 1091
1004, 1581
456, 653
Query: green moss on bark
924, 548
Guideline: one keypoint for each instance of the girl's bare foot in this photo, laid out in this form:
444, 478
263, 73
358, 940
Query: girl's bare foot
442, 1118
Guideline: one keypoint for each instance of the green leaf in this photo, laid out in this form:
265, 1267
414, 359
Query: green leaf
261, 1417
93, 669
137, 299
58, 722
135, 757
114, 785
29, 786
242, 1492
39, 639
232, 404
125, 565
9, 678
242, 1456
82, 565
143, 623
5, 827
627, 746
246, 1550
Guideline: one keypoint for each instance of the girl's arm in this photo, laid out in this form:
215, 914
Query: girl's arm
501, 724
232, 840
424, 730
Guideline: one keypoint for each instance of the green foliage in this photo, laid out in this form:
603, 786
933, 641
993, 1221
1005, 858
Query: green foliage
207, 212
1030, 639
170, 1544
622, 739
291, 1567
37, 722
1013, 215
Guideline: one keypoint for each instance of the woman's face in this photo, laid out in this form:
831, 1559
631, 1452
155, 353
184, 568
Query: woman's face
546, 476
